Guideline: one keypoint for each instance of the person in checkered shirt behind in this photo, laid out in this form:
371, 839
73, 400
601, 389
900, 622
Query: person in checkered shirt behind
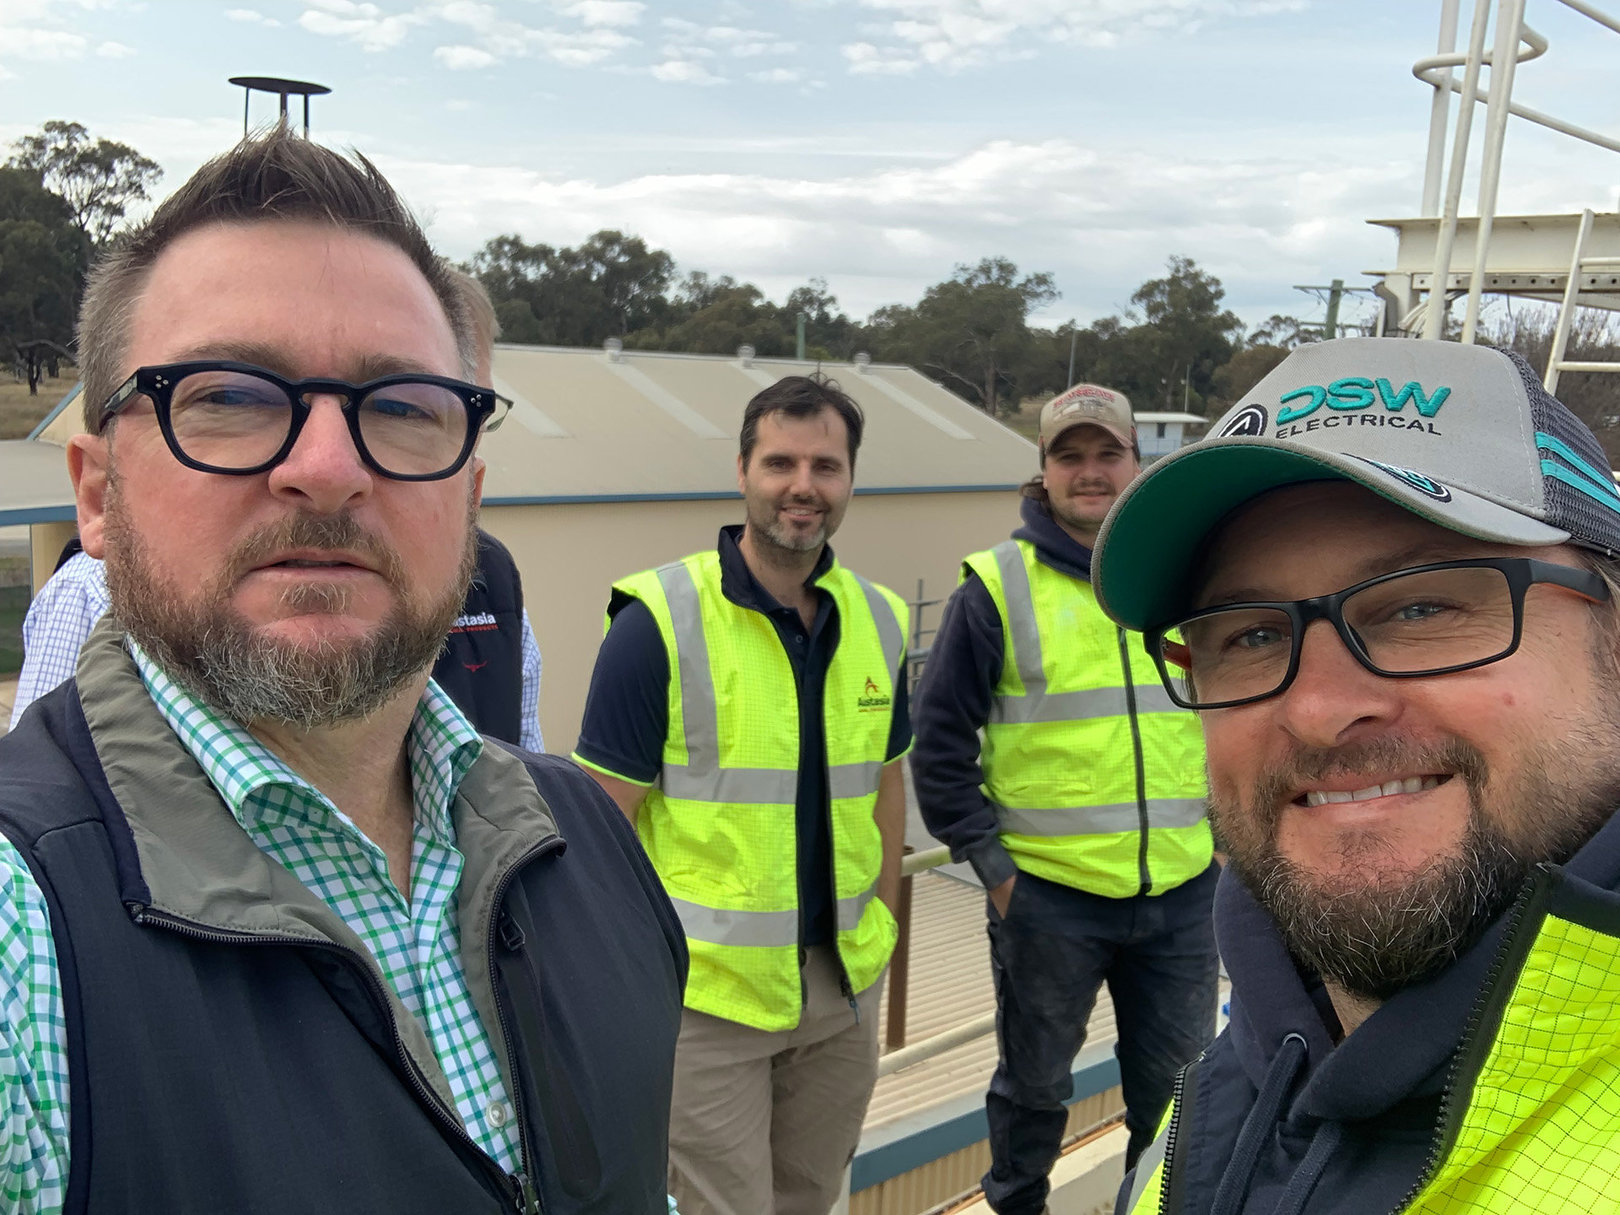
279, 930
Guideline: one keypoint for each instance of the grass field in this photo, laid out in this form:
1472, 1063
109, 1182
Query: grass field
20, 413
13, 603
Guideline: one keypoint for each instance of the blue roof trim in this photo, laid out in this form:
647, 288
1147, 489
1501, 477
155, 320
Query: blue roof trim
953, 1133
56, 410
728, 494
37, 514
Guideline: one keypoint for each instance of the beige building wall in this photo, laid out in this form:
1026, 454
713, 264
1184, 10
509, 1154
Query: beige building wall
569, 556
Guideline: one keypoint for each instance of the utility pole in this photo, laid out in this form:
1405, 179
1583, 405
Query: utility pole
799, 339
1330, 327
1074, 334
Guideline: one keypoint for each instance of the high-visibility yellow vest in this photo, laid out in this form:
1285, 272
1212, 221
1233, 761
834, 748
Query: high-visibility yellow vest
1531, 1121
719, 825
1097, 777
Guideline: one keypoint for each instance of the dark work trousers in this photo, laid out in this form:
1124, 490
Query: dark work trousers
1051, 953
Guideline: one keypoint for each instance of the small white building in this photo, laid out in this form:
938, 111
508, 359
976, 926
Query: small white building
1161, 433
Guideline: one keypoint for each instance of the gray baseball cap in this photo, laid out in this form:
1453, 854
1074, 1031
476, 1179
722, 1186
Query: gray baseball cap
1464, 436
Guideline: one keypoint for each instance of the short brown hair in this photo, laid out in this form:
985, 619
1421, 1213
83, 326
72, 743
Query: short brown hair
277, 175
486, 326
802, 396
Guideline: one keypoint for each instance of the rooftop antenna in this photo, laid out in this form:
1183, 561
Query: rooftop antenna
282, 88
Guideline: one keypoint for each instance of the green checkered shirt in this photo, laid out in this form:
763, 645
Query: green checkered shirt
417, 945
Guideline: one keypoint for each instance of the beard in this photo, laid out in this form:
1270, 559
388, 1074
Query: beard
765, 521
219, 656
1377, 925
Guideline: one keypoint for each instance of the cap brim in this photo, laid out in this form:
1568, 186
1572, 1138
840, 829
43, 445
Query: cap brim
1124, 439
1148, 546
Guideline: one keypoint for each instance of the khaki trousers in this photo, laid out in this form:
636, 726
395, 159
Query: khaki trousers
762, 1122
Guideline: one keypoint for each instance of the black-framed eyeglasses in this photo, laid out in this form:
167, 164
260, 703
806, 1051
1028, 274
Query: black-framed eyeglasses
1428, 620
236, 419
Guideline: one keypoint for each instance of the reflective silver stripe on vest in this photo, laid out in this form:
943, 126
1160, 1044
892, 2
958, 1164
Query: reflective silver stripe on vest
1102, 820
1026, 636
699, 712
888, 625
851, 910
1037, 704
717, 926
1081, 705
854, 780
738, 786
702, 779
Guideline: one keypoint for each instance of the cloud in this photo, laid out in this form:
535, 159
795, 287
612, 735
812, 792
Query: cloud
1103, 218
46, 45
952, 35
685, 71
251, 17
598, 35
777, 76
463, 58
864, 59
364, 24
617, 13
114, 50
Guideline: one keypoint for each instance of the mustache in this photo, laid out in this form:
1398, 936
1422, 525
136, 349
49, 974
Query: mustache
1309, 765
331, 533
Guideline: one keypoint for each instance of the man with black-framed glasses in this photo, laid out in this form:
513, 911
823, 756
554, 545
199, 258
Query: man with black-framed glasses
1386, 581
279, 930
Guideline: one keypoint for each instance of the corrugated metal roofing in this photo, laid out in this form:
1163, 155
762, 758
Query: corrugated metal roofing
587, 424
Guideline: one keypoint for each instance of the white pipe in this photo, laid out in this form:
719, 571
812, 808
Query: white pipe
1433, 320
930, 858
1439, 111
1509, 23
1586, 10
920, 1052
1566, 314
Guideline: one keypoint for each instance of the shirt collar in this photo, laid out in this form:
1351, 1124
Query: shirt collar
441, 745
737, 581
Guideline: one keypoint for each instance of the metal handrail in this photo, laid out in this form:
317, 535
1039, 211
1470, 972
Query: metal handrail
1516, 43
899, 1054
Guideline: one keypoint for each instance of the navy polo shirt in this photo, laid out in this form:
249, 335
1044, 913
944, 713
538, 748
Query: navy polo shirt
627, 711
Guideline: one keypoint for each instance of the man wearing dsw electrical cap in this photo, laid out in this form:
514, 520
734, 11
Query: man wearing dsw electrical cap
1387, 582
1082, 812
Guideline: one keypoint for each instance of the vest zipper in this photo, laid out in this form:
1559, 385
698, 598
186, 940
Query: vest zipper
528, 1197
1444, 1130
518, 1186
1167, 1183
1141, 773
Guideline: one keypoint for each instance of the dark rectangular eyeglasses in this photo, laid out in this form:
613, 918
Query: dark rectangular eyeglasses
237, 419
1428, 620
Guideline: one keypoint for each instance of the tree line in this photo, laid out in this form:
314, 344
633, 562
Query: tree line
64, 195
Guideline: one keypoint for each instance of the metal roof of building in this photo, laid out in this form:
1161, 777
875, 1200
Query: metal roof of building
600, 425
606, 426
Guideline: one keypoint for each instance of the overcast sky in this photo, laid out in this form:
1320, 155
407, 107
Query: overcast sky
875, 143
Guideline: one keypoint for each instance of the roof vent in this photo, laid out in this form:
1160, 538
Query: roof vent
614, 349
862, 362
745, 355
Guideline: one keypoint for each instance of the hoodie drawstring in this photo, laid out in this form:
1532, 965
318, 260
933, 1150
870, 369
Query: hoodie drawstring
1257, 1127
1325, 1143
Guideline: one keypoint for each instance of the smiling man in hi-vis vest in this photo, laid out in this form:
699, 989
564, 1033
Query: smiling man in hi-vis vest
1082, 811
1386, 581
748, 712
